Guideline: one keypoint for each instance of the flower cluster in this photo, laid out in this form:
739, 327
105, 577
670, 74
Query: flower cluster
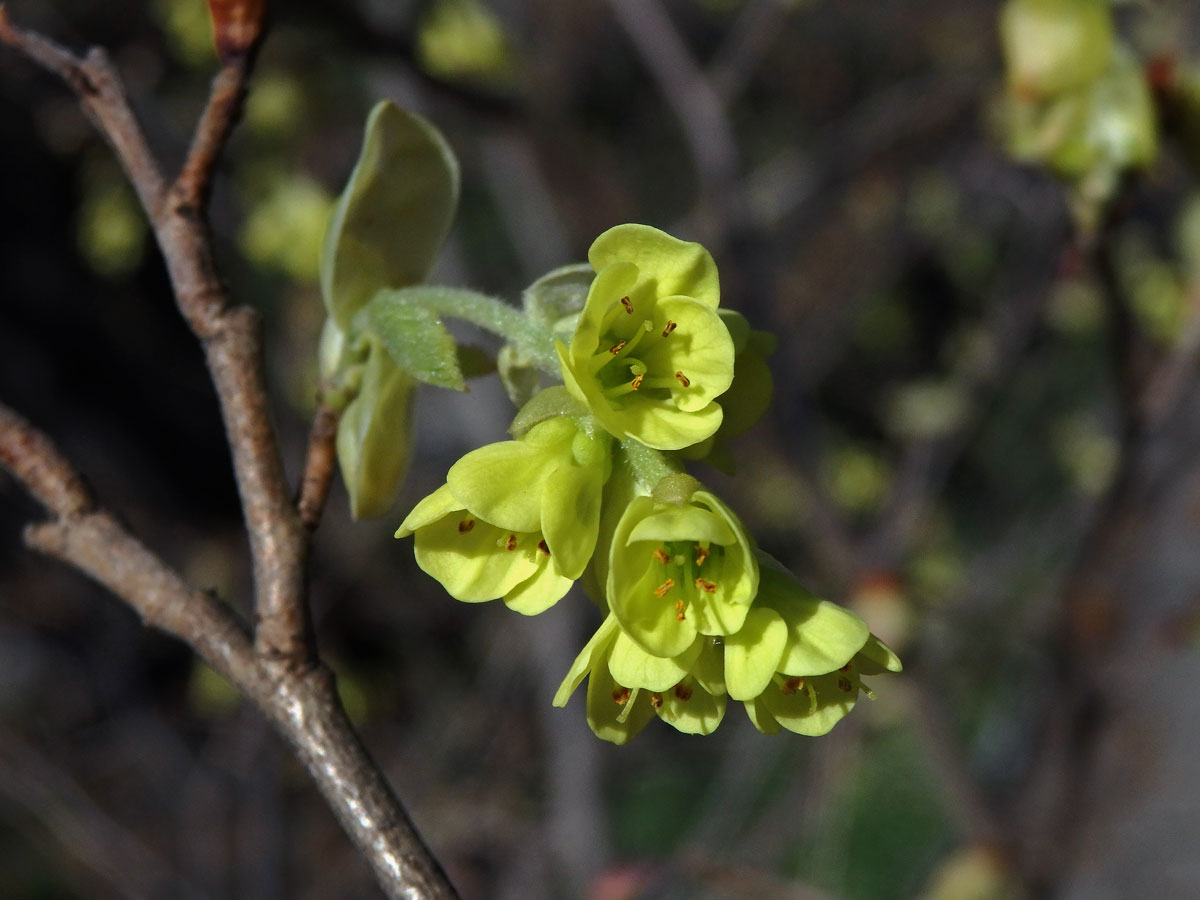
593, 488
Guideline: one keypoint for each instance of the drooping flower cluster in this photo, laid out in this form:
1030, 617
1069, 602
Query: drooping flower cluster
593, 488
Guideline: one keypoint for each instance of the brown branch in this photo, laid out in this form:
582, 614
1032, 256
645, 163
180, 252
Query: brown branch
318, 466
303, 704
278, 670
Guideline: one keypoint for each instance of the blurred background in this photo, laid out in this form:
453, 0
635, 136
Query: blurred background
984, 439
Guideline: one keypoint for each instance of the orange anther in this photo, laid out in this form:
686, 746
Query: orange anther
679, 611
544, 547
466, 525
656, 700
510, 542
683, 692
845, 685
661, 555
671, 326
616, 348
705, 585
637, 382
621, 695
662, 589
683, 379
625, 302
792, 685
701, 555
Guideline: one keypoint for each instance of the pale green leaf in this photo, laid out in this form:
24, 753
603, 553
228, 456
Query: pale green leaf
394, 213
416, 339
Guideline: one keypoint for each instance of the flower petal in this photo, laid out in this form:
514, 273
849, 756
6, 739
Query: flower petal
691, 709
587, 659
752, 654
432, 508
571, 515
503, 484
699, 346
675, 266
815, 708
633, 667
683, 523
473, 563
539, 592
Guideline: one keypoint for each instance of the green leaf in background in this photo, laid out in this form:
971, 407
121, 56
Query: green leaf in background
416, 339
374, 437
393, 215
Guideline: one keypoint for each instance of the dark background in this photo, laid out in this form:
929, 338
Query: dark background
949, 452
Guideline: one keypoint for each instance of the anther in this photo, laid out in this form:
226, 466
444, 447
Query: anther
705, 585
662, 589
701, 555
683, 379
845, 685
510, 542
683, 692
543, 547
845, 668
616, 348
791, 686
670, 327
625, 302
637, 381
621, 696
661, 555
679, 611
656, 700
466, 525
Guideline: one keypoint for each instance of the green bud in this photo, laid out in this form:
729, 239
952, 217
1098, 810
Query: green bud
374, 435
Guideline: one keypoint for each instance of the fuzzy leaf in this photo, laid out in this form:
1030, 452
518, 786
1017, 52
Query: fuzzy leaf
416, 339
394, 213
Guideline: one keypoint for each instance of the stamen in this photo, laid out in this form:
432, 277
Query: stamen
625, 302
661, 590
683, 692
683, 379
621, 695
637, 381
679, 611
466, 525
702, 554
656, 700
705, 585
845, 668
845, 685
543, 546
661, 555
616, 348
791, 686
510, 543
671, 326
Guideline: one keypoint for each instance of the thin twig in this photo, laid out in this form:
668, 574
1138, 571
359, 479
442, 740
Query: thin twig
318, 465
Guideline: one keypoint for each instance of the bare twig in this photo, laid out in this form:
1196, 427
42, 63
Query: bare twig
318, 466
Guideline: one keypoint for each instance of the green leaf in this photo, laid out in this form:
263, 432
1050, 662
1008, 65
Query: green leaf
374, 437
393, 215
416, 339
